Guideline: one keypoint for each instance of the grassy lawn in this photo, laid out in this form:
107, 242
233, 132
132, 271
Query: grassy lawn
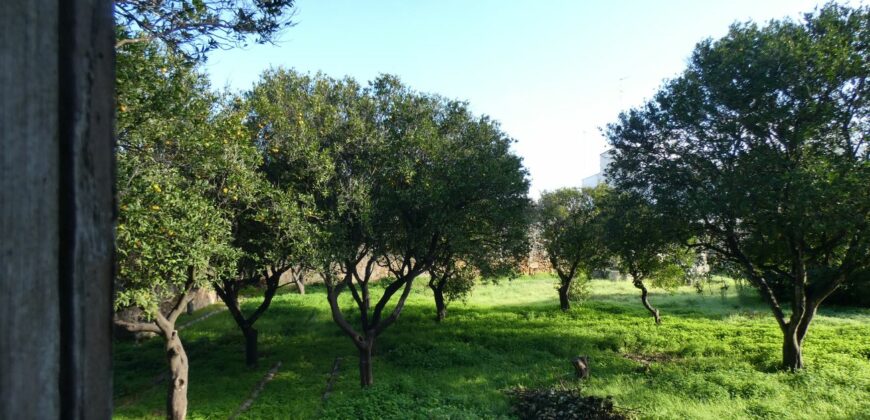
714, 356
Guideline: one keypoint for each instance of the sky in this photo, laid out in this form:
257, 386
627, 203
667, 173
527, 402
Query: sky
553, 73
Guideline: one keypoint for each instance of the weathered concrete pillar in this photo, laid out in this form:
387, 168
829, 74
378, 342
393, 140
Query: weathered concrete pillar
56, 208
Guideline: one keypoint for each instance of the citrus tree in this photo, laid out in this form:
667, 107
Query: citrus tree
267, 217
172, 237
482, 191
643, 244
569, 225
390, 173
761, 147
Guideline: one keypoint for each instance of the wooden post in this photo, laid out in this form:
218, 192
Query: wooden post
56, 208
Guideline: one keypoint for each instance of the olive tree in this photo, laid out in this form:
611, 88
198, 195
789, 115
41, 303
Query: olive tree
761, 147
569, 225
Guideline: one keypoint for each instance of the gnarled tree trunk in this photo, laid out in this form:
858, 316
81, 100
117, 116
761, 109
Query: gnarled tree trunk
300, 284
565, 278
437, 284
176, 400
440, 305
228, 291
793, 338
644, 294
792, 358
373, 322
563, 295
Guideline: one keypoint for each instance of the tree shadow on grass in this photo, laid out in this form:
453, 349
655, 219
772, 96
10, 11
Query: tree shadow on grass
458, 368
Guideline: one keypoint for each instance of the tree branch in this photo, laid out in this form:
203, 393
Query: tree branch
137, 326
126, 41
338, 317
271, 288
381, 326
184, 299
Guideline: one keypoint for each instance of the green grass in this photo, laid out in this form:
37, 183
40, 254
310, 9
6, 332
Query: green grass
715, 356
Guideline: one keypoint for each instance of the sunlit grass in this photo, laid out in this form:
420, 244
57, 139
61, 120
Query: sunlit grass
715, 356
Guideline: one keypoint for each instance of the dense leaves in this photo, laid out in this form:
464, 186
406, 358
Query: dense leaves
643, 243
761, 147
398, 180
169, 148
569, 225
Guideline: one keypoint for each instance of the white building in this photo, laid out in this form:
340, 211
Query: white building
603, 161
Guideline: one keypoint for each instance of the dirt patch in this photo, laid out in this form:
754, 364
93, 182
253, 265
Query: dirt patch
561, 403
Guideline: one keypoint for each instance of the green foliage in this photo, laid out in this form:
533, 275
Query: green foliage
580, 289
198, 149
171, 170
714, 358
194, 27
760, 148
481, 189
763, 135
568, 221
642, 242
393, 172
165, 228
460, 281
319, 139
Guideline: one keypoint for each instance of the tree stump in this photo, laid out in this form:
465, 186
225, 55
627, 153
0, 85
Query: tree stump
581, 366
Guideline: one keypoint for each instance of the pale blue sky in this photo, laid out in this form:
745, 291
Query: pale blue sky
552, 72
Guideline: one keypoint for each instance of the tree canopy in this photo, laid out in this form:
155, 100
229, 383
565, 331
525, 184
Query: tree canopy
194, 27
643, 243
399, 180
168, 141
761, 147
181, 165
568, 220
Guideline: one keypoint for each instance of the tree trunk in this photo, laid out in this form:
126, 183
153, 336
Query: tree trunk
440, 306
644, 299
176, 401
300, 285
792, 356
365, 363
251, 354
563, 296
792, 346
